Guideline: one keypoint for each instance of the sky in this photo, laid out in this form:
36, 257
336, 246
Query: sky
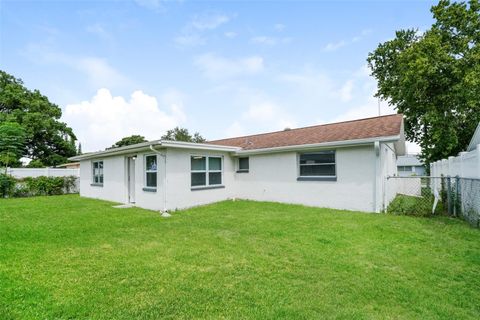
220, 68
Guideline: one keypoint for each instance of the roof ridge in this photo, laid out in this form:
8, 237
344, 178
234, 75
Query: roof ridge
306, 127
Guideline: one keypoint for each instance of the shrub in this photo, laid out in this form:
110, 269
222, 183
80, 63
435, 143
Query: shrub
45, 186
20, 190
7, 185
414, 206
69, 183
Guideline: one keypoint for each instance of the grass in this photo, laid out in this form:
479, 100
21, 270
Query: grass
415, 206
65, 257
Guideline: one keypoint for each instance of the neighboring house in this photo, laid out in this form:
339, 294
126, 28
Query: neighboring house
340, 165
70, 165
410, 165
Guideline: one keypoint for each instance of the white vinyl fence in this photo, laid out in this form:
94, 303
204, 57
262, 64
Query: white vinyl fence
465, 165
37, 172
463, 174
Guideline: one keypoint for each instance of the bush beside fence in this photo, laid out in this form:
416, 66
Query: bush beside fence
452, 196
11, 187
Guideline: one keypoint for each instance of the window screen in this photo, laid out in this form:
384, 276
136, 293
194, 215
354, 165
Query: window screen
318, 164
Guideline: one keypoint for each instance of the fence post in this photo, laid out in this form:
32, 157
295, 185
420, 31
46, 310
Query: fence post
449, 195
457, 202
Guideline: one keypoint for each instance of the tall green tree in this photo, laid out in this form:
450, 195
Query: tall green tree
433, 78
12, 143
47, 139
182, 134
126, 141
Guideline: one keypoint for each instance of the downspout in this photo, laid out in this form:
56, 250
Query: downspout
164, 156
376, 147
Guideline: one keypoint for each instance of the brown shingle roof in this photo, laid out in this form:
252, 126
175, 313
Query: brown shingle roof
382, 126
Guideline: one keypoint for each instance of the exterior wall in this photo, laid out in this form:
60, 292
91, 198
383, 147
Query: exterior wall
387, 192
179, 192
273, 177
114, 185
148, 199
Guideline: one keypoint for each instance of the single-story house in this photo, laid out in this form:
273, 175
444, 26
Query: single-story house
339, 165
410, 165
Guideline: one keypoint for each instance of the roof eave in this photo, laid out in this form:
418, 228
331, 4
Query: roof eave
146, 146
301, 147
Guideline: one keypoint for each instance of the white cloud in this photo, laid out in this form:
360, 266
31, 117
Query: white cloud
209, 21
105, 119
217, 67
311, 85
150, 4
346, 91
270, 41
263, 114
333, 46
235, 130
98, 71
230, 34
99, 31
194, 32
365, 110
279, 27
269, 115
190, 40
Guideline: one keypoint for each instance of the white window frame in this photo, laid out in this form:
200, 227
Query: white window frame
207, 171
100, 173
326, 177
149, 171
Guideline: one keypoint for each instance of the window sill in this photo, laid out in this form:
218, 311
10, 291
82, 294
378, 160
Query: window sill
149, 189
207, 187
96, 184
242, 171
333, 178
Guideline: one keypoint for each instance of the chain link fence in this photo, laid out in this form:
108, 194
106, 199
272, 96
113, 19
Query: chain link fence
427, 196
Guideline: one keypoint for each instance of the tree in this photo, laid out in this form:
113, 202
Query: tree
12, 143
46, 137
433, 78
126, 141
79, 150
182, 134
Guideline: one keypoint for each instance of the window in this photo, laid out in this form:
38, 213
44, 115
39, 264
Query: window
151, 171
405, 168
206, 171
243, 164
97, 172
318, 164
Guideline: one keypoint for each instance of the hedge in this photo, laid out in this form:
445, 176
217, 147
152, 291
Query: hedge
39, 186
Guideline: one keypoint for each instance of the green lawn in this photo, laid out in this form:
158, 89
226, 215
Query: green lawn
67, 257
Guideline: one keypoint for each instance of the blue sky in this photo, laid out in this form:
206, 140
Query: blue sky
222, 68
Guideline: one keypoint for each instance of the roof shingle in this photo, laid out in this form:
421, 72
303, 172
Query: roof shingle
383, 126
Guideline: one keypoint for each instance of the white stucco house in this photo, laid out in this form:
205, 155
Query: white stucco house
340, 165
